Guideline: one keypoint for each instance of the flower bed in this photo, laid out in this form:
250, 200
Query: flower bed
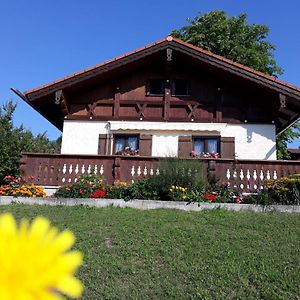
170, 185
87, 186
19, 187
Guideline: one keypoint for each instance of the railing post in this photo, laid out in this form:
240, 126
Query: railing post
117, 169
23, 166
211, 172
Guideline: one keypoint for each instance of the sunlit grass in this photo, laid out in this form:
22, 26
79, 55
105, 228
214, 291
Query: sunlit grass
168, 254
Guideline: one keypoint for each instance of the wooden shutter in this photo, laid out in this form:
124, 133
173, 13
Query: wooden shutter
227, 147
104, 144
145, 145
185, 146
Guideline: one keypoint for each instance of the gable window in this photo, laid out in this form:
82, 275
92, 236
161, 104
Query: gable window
155, 87
180, 87
206, 146
126, 144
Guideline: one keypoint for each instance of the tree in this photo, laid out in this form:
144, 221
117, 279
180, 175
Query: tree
233, 38
15, 140
282, 140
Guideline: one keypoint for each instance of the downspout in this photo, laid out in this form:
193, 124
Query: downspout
107, 142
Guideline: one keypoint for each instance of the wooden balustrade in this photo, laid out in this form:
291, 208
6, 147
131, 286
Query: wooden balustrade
62, 169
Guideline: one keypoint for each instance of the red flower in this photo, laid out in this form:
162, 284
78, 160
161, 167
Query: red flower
209, 197
237, 200
98, 194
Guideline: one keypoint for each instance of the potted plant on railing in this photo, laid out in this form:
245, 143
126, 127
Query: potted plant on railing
128, 151
205, 154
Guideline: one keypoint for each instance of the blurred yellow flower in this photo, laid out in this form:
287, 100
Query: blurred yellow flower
35, 261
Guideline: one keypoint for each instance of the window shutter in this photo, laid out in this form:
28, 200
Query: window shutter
185, 146
145, 145
227, 147
104, 144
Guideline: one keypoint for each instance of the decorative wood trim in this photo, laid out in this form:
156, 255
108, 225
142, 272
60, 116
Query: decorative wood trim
61, 100
219, 102
177, 45
282, 100
117, 102
167, 96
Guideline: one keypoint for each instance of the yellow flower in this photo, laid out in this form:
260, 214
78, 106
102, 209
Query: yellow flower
35, 261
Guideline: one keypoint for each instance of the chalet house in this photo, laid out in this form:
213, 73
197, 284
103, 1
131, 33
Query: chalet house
169, 98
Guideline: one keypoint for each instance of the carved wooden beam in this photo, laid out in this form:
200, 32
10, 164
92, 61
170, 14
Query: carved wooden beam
60, 99
167, 91
219, 101
192, 108
282, 100
141, 110
117, 102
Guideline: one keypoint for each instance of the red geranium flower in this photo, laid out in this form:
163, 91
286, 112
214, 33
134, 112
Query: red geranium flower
209, 197
237, 200
98, 194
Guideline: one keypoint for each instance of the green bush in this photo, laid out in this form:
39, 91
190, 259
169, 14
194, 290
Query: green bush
179, 172
285, 190
119, 190
87, 186
261, 198
144, 189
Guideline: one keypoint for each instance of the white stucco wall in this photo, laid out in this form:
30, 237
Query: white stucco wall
81, 137
252, 141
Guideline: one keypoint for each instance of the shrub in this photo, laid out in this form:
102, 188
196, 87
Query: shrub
262, 198
178, 172
143, 189
19, 187
119, 190
285, 190
226, 194
87, 186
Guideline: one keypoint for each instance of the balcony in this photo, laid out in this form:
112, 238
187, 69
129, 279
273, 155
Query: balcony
61, 169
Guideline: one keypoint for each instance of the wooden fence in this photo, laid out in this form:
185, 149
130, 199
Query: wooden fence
62, 169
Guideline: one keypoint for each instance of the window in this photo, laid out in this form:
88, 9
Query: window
155, 87
126, 144
180, 87
206, 146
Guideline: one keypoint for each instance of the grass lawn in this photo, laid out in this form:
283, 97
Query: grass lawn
167, 254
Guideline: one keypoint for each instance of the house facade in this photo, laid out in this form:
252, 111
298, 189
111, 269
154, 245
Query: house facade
168, 99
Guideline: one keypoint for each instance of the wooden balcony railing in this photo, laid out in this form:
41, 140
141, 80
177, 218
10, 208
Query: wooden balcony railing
62, 169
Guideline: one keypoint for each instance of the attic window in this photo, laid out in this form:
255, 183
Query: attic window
180, 87
155, 87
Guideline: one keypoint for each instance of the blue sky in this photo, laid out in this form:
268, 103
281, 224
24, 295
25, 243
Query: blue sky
44, 40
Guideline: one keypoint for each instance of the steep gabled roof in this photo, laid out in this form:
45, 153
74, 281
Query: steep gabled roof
74, 80
169, 41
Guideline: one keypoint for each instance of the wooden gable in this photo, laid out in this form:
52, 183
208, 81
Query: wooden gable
219, 90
